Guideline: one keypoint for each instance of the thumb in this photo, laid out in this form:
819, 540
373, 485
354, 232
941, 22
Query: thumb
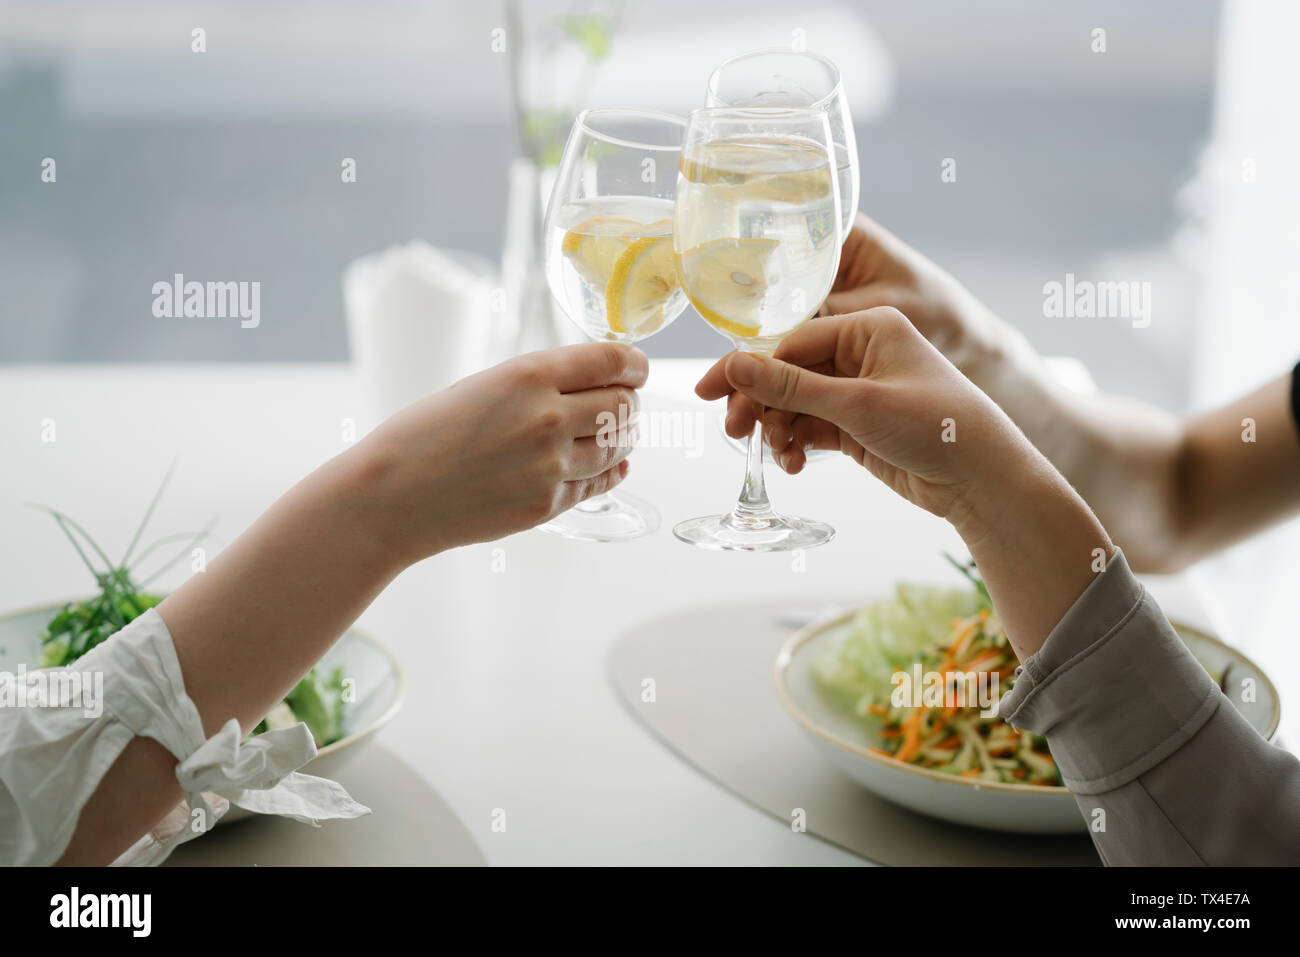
780, 385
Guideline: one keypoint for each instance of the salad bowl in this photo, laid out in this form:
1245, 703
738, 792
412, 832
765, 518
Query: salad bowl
854, 742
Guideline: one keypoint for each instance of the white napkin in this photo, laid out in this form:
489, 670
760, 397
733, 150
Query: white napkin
419, 318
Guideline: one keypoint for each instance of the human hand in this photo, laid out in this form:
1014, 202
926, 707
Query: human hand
506, 449
871, 386
879, 269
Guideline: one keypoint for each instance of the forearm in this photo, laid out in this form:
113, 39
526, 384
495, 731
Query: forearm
497, 453
247, 629
1124, 458
1037, 544
1239, 471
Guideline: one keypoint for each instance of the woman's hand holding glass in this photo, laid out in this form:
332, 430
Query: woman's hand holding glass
500, 451
871, 386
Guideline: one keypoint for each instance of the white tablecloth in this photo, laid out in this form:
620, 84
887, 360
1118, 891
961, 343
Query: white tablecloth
504, 643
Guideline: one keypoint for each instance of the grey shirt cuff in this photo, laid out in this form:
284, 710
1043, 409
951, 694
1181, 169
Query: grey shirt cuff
1113, 688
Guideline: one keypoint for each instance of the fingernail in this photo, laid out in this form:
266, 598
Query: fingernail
743, 369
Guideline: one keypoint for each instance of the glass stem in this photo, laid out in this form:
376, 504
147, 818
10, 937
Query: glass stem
753, 506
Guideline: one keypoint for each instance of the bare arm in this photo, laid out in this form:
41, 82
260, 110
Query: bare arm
494, 454
245, 631
1230, 488
1170, 491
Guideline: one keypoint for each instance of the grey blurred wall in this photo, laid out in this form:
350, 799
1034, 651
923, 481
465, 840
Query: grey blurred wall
229, 168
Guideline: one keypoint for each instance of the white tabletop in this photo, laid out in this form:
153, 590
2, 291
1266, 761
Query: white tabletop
508, 705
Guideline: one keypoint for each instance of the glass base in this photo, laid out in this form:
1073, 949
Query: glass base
741, 445
612, 517
772, 533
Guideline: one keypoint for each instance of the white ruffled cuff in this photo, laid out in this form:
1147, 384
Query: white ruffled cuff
52, 757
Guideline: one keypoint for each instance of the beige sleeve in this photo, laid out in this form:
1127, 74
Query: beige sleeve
1164, 768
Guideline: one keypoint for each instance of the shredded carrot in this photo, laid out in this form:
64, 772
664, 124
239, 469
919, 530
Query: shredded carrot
935, 736
958, 645
911, 736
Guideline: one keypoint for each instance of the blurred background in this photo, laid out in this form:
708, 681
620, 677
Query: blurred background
1168, 157
226, 164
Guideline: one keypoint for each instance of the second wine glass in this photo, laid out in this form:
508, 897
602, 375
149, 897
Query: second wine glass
799, 79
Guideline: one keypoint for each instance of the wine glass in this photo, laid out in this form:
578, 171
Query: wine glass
756, 230
785, 78
610, 262
782, 77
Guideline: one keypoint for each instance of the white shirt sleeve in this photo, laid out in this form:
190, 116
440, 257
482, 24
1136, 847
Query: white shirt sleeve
61, 729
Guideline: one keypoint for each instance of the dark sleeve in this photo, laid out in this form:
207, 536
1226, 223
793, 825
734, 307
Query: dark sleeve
1295, 397
1163, 766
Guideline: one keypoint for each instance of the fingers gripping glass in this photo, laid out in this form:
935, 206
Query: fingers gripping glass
756, 230
610, 262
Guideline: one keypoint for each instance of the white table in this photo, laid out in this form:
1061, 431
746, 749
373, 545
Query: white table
504, 643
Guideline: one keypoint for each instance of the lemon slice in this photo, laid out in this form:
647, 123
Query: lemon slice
726, 280
643, 280
594, 245
775, 171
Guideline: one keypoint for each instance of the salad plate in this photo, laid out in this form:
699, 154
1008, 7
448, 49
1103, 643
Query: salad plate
834, 679
375, 686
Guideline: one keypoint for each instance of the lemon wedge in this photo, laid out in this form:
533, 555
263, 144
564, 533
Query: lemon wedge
594, 245
726, 280
643, 280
